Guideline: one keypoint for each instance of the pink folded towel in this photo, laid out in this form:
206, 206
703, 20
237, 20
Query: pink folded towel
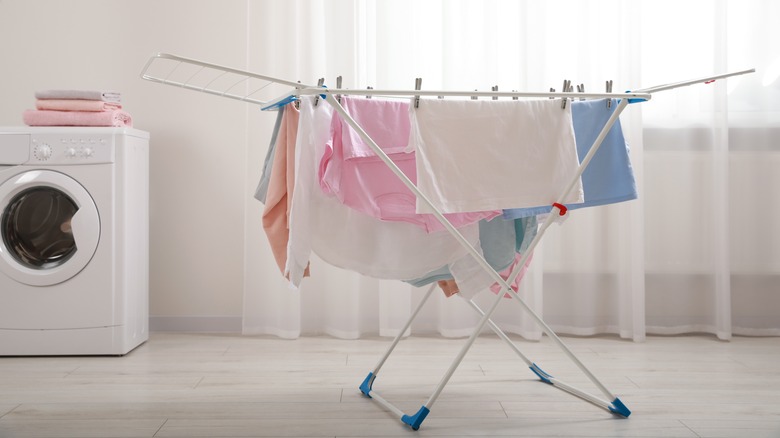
77, 118
106, 96
75, 105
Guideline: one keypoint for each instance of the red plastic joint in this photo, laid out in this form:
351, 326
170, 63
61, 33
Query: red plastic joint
562, 208
709, 82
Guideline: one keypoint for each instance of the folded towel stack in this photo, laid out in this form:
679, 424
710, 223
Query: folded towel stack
77, 108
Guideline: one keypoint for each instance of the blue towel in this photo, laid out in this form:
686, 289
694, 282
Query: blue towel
609, 178
262, 186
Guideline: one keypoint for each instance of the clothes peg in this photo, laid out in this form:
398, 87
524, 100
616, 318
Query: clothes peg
417, 86
474, 97
566, 89
552, 90
495, 88
297, 102
515, 97
338, 86
368, 96
581, 89
609, 90
320, 83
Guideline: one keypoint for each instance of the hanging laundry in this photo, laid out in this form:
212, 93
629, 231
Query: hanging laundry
262, 186
609, 177
502, 242
276, 213
451, 287
480, 155
352, 240
497, 239
351, 171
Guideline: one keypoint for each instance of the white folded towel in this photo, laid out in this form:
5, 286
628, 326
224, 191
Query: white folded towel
105, 96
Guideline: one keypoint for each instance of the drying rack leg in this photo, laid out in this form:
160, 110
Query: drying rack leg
414, 421
615, 406
365, 387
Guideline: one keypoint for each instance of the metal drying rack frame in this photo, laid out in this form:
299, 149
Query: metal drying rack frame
226, 82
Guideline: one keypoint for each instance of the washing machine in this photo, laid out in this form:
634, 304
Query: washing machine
74, 252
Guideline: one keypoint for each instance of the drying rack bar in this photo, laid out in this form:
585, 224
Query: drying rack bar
450, 93
175, 63
196, 75
704, 80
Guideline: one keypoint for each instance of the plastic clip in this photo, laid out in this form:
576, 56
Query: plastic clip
417, 86
297, 102
320, 84
709, 82
566, 89
563, 213
634, 100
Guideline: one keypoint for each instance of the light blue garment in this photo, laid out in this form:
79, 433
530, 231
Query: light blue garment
262, 186
499, 240
609, 178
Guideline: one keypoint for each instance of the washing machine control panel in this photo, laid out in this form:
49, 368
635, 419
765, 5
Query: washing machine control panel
76, 148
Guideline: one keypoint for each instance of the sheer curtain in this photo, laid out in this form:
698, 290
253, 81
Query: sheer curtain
698, 252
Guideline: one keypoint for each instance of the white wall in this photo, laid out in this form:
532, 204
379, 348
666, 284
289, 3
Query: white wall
199, 143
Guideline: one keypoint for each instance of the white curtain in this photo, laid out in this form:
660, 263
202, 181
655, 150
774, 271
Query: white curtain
698, 252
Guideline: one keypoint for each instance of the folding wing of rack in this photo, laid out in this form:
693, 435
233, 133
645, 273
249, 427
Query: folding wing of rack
270, 93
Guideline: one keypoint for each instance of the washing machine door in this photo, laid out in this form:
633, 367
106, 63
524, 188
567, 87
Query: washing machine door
50, 227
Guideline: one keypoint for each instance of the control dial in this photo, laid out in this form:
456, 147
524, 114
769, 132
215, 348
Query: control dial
70, 152
42, 152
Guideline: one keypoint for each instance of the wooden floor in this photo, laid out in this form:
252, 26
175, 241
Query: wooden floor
200, 385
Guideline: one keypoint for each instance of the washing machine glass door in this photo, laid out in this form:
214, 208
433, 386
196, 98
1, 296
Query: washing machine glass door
50, 227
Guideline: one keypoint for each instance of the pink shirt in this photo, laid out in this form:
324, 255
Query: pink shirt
351, 171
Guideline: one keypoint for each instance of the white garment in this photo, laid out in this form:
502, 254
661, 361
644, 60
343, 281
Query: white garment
348, 239
477, 155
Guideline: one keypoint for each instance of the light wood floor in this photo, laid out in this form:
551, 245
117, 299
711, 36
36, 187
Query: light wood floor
201, 385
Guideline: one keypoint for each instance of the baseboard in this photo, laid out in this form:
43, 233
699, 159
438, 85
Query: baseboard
203, 324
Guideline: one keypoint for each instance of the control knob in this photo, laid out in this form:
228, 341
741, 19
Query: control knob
43, 152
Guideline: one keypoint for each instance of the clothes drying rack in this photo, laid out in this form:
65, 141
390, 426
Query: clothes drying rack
250, 87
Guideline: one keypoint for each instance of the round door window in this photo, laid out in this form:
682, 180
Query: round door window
49, 227
36, 227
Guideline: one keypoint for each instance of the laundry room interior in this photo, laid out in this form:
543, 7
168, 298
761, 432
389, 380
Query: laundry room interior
669, 294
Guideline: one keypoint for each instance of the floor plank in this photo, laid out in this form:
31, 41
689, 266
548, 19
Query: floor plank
223, 385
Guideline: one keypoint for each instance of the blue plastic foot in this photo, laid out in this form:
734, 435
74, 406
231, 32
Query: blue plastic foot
619, 408
542, 375
414, 421
365, 387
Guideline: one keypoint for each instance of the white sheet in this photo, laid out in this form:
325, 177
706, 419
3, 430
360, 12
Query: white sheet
477, 155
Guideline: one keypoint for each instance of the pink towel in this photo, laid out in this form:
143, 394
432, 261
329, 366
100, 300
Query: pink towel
77, 118
107, 96
75, 105
276, 213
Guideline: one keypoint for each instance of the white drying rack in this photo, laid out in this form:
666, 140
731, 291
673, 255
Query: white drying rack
229, 82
